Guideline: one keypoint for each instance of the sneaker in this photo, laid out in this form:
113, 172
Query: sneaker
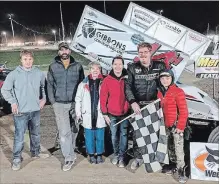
41, 155
99, 160
115, 160
121, 163
179, 175
92, 160
136, 163
167, 170
68, 165
16, 166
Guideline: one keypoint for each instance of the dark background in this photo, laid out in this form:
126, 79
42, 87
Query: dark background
44, 16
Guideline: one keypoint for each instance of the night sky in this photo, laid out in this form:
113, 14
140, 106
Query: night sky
195, 15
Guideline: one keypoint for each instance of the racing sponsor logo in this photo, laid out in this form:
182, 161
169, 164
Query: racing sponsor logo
196, 37
208, 162
92, 14
148, 76
138, 70
99, 59
144, 16
207, 75
139, 24
169, 58
207, 62
137, 38
170, 27
89, 31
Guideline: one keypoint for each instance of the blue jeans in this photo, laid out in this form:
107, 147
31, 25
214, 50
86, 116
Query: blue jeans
119, 136
94, 140
22, 121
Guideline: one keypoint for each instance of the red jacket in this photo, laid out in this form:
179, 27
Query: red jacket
174, 107
112, 96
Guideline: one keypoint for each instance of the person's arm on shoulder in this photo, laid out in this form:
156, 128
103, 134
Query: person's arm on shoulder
182, 109
50, 85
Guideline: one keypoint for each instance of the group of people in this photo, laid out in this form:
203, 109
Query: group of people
97, 101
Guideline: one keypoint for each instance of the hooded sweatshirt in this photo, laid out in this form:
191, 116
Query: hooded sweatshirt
173, 102
23, 88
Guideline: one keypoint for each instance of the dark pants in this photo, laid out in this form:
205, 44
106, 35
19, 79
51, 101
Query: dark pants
30, 120
136, 150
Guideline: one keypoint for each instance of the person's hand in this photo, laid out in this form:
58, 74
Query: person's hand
14, 108
107, 119
42, 103
178, 131
78, 118
136, 108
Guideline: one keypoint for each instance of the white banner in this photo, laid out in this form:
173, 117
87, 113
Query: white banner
204, 159
207, 66
167, 31
100, 37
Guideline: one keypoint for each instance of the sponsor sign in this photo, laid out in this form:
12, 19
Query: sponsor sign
169, 32
99, 37
204, 161
208, 67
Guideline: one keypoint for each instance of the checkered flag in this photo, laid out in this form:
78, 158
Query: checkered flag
151, 138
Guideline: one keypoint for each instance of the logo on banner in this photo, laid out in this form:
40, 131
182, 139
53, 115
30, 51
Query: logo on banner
195, 37
136, 39
170, 27
92, 14
208, 162
208, 62
88, 29
143, 16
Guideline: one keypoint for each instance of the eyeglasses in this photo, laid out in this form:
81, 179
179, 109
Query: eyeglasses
144, 53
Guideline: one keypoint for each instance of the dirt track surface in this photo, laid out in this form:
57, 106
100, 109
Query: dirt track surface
49, 170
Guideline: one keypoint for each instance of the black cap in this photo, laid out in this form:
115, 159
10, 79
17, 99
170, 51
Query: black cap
63, 44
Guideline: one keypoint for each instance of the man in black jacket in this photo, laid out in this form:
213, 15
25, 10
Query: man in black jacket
141, 87
63, 77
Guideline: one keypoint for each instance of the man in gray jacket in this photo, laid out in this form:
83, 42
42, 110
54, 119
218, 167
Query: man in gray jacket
64, 76
21, 90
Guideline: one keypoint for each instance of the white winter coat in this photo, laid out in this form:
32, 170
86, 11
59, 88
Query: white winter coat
83, 106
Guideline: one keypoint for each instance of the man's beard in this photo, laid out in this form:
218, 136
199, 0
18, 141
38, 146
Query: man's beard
64, 56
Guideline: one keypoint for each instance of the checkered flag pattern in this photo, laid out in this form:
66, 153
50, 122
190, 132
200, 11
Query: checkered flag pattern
151, 136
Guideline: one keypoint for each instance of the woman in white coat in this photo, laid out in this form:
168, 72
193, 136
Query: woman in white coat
88, 109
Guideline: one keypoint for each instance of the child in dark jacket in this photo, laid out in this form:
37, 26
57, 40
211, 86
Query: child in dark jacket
173, 102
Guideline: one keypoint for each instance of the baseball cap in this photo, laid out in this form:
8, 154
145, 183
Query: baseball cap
167, 73
63, 44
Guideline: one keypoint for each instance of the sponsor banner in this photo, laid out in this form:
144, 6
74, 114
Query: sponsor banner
207, 67
169, 32
204, 159
142, 19
172, 31
100, 38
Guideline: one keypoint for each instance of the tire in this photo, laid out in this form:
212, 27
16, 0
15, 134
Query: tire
214, 136
6, 108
